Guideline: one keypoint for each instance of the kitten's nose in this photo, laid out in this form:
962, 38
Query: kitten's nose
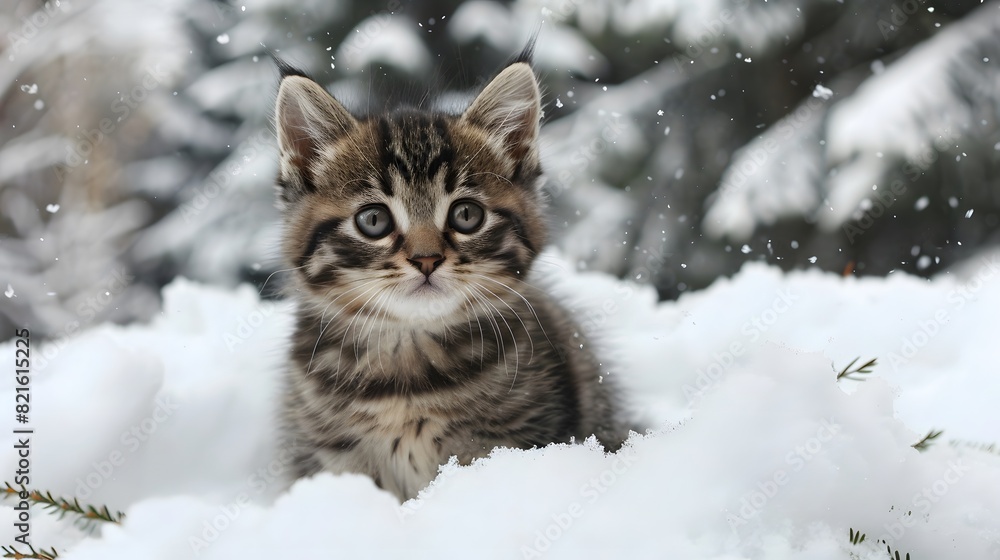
426, 263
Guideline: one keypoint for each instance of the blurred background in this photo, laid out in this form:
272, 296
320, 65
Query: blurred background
682, 138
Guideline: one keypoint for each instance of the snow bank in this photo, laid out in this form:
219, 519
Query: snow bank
754, 450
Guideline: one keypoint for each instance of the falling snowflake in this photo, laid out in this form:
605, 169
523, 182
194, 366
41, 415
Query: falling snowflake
823, 93
52, 208
9, 292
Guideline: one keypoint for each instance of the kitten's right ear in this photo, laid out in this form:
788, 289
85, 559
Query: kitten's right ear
307, 118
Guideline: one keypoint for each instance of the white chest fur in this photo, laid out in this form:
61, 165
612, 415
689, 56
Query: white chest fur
399, 450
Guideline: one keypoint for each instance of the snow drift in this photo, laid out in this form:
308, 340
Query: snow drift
754, 449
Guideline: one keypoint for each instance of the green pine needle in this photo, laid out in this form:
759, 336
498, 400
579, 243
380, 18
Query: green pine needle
864, 369
61, 506
925, 443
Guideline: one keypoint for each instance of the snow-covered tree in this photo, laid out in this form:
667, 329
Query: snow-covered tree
681, 138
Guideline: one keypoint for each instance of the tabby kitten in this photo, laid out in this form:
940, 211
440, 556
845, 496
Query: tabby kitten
418, 336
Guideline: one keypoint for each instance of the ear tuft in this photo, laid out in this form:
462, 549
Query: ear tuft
509, 109
286, 69
527, 54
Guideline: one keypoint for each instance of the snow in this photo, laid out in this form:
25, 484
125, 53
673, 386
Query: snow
913, 114
384, 39
754, 450
772, 177
507, 29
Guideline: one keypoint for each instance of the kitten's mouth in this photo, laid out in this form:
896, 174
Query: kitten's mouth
424, 300
426, 287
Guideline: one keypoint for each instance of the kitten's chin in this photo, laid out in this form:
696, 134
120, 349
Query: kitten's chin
427, 302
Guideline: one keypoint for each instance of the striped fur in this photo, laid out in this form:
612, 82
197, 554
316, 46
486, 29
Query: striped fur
396, 365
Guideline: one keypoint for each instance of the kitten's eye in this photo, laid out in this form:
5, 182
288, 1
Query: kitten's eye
465, 216
374, 221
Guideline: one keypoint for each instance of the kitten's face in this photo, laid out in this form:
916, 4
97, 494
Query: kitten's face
415, 215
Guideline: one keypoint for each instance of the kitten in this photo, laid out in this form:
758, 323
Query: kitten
418, 336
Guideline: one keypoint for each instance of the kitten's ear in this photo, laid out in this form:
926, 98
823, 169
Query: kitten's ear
307, 118
509, 109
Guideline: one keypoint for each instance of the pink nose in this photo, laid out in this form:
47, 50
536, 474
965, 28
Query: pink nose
426, 263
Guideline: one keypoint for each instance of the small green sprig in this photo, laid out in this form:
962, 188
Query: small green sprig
864, 369
925, 443
40, 554
62, 506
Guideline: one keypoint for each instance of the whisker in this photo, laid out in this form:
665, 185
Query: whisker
379, 304
497, 175
494, 326
526, 302
513, 339
348, 330
323, 326
392, 292
523, 326
268, 279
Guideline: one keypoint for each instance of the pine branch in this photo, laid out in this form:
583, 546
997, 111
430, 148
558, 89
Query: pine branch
40, 554
62, 506
978, 446
866, 368
925, 443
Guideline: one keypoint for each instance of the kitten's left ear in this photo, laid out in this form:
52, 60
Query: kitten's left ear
509, 110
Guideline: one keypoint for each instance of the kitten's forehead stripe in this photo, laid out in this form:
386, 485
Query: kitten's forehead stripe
417, 146
388, 156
